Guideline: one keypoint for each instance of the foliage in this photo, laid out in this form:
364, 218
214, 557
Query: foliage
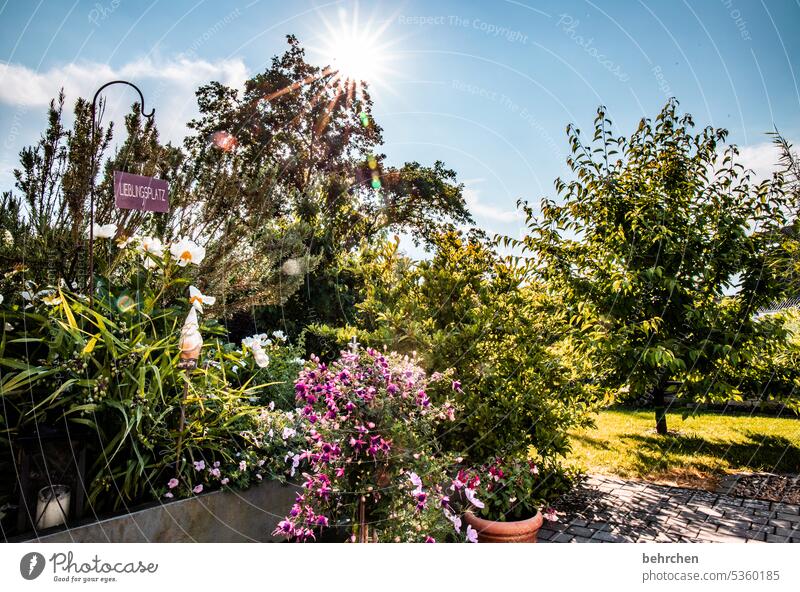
276, 182
370, 444
657, 248
467, 308
109, 371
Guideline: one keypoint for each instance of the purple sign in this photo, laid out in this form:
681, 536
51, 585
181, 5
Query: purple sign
136, 192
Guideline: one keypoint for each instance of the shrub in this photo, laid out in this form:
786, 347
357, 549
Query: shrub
370, 444
109, 367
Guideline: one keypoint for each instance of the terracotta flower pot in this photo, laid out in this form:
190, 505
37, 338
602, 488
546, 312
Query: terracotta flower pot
516, 531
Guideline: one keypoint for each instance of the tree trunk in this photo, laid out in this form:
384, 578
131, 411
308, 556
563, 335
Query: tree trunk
660, 406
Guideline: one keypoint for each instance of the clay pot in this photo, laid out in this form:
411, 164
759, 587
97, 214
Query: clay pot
516, 531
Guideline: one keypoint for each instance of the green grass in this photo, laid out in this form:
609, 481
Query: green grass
697, 452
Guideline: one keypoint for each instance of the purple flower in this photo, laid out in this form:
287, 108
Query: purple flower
415, 480
457, 386
173, 483
215, 472
430, 539
199, 465
198, 488
472, 534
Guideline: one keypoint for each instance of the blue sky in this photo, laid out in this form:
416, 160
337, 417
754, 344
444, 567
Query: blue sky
488, 87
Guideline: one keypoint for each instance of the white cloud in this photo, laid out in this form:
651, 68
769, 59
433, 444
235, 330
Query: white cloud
761, 158
472, 195
167, 84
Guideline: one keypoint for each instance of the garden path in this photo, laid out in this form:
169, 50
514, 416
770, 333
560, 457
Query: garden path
613, 510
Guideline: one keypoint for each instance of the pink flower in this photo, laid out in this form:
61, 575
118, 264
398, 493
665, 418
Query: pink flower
415, 480
242, 465
215, 472
225, 481
551, 515
168, 494
456, 520
173, 483
470, 493
199, 465
472, 534
198, 488
430, 539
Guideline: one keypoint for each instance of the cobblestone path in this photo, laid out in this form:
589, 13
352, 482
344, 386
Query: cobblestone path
611, 510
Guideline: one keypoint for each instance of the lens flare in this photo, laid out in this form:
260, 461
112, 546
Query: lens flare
356, 51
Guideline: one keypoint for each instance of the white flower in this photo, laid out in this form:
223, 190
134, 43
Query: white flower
272, 405
26, 295
1, 298
186, 251
299, 361
8, 239
152, 245
9, 327
104, 230
472, 534
52, 299
279, 335
470, 493
261, 357
288, 433
124, 242
197, 299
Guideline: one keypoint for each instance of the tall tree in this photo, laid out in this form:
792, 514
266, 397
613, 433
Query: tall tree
658, 247
284, 177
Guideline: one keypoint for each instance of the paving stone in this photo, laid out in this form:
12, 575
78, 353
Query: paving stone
787, 532
580, 531
785, 508
627, 511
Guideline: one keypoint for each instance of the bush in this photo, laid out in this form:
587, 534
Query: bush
110, 367
369, 427
521, 386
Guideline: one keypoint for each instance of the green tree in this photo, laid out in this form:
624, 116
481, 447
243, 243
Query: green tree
657, 248
286, 176
470, 310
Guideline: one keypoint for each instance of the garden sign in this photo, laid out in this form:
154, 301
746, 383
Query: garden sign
137, 192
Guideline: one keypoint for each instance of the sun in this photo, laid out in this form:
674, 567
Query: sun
356, 51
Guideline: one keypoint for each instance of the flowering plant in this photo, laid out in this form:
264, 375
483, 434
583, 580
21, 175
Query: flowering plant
370, 461
508, 489
110, 366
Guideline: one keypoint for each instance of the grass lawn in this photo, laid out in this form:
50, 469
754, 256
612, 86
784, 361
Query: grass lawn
696, 453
